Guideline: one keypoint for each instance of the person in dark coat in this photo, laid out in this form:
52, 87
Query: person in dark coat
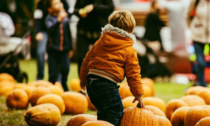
93, 15
153, 25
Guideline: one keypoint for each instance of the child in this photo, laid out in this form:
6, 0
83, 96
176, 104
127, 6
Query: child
60, 43
105, 65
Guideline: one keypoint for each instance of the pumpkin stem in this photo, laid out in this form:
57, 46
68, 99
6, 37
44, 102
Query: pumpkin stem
140, 105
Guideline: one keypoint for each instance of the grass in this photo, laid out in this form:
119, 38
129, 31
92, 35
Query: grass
163, 90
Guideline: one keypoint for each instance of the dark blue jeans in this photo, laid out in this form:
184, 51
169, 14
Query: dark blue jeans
58, 62
41, 49
105, 96
201, 64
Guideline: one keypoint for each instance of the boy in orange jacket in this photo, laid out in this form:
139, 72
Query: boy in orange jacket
107, 63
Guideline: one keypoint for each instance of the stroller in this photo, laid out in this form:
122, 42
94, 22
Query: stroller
11, 47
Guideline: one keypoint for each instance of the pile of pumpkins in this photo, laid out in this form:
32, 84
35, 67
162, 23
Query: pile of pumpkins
49, 102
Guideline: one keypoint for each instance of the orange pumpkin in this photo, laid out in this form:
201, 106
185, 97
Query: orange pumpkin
128, 102
28, 90
53, 99
193, 100
37, 93
56, 90
41, 83
155, 110
196, 113
6, 83
90, 105
17, 99
80, 119
6, 77
177, 119
147, 91
194, 90
124, 91
97, 123
203, 122
134, 116
154, 101
6, 89
149, 82
205, 95
43, 115
75, 103
173, 105
74, 85
163, 121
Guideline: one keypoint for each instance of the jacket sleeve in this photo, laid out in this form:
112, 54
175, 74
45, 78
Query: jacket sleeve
52, 23
102, 8
132, 73
84, 68
189, 11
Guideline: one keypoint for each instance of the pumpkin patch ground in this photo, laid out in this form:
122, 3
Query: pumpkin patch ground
166, 91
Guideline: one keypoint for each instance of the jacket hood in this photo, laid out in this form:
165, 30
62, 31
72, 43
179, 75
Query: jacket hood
114, 38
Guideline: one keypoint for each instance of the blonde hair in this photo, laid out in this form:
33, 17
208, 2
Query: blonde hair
123, 19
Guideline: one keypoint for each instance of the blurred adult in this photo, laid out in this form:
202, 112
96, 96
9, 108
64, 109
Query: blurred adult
153, 25
200, 31
93, 14
41, 34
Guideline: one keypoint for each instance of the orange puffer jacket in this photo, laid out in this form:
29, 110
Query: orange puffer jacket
113, 58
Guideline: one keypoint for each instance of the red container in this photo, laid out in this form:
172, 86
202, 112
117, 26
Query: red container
207, 74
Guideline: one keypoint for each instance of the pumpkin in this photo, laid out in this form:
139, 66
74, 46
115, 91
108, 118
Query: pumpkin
134, 116
43, 115
97, 123
17, 99
173, 105
53, 99
205, 95
177, 119
6, 89
74, 85
19, 86
6, 83
149, 82
6, 77
80, 119
128, 102
124, 91
37, 93
203, 122
163, 121
90, 105
154, 101
193, 100
56, 90
41, 83
196, 113
194, 90
75, 103
155, 110
28, 90
147, 91
58, 84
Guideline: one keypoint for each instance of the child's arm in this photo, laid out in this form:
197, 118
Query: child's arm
132, 73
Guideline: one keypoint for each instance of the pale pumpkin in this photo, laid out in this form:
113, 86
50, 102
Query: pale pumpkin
6, 77
154, 101
178, 117
41, 83
134, 116
193, 100
43, 115
56, 90
205, 95
6, 89
194, 90
97, 123
74, 85
128, 102
203, 122
80, 119
173, 105
75, 103
196, 113
155, 110
17, 99
37, 93
53, 99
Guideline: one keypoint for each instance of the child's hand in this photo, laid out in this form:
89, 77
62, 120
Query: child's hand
39, 36
71, 53
83, 87
140, 100
89, 8
83, 12
62, 15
